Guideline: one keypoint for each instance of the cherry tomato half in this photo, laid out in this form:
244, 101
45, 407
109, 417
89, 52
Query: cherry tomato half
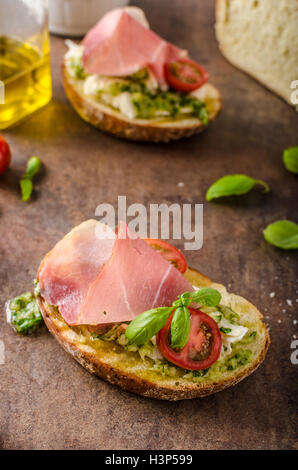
5, 155
203, 347
169, 252
185, 75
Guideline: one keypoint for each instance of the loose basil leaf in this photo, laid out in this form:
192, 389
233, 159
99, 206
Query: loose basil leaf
290, 159
180, 328
33, 167
147, 324
283, 234
206, 296
233, 185
26, 188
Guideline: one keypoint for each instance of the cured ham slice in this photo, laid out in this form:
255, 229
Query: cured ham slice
67, 271
135, 279
120, 45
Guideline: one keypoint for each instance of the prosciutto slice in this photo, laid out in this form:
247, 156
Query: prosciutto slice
135, 279
73, 264
120, 45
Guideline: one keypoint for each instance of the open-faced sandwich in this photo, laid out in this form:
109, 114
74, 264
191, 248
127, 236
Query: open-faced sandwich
131, 311
126, 80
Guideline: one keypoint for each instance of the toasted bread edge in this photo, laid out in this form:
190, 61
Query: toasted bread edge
147, 388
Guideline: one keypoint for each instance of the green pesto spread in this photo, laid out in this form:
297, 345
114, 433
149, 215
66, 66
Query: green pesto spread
23, 313
148, 102
240, 354
78, 70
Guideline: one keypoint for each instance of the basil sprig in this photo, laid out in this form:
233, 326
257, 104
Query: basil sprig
290, 159
282, 234
233, 185
26, 185
147, 324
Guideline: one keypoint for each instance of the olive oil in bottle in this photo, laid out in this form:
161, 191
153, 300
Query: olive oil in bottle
25, 79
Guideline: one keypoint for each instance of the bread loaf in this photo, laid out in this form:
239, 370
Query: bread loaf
260, 37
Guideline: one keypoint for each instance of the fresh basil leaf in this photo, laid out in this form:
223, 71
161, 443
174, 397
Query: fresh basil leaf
26, 188
290, 159
180, 328
206, 296
283, 234
233, 185
33, 167
147, 324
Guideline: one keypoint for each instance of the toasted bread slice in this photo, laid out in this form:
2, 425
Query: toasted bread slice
113, 363
109, 120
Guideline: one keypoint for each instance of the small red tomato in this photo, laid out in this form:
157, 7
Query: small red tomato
203, 346
5, 155
185, 75
169, 252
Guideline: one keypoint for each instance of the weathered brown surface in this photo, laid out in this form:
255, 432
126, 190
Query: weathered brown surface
46, 399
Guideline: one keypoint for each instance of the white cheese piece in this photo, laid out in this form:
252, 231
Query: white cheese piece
95, 83
75, 51
73, 56
236, 334
204, 92
151, 82
124, 104
92, 85
155, 354
200, 93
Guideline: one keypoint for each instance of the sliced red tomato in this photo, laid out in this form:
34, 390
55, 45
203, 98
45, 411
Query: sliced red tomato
169, 252
203, 347
185, 75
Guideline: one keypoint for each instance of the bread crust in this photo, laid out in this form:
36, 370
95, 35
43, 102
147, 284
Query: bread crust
108, 120
163, 391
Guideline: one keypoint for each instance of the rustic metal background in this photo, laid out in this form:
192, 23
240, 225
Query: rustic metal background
46, 399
